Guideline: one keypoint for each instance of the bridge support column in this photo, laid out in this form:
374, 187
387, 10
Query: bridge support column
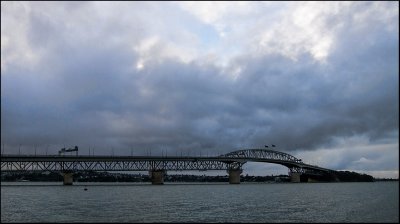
234, 176
295, 177
68, 178
157, 176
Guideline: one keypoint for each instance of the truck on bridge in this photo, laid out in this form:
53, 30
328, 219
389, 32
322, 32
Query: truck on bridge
63, 151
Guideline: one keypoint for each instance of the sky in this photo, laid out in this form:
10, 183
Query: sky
320, 80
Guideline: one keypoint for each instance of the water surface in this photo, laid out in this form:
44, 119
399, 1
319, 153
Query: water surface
209, 202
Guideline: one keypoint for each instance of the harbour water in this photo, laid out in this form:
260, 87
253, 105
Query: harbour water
205, 202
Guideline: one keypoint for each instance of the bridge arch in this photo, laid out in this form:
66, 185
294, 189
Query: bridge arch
262, 154
295, 165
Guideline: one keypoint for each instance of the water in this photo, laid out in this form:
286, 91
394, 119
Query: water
211, 202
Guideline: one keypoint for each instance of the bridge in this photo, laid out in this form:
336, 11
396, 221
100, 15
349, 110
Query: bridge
158, 165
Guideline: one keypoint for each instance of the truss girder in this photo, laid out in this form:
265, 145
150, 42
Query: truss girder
263, 154
114, 165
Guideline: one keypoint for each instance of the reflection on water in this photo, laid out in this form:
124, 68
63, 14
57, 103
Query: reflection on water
200, 202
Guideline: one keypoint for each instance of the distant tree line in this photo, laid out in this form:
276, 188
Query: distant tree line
93, 176
348, 176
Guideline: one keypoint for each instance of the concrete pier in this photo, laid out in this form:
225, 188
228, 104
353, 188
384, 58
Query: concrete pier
157, 176
68, 178
234, 176
295, 177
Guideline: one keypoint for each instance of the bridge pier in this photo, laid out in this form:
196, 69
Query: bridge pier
234, 176
295, 177
68, 178
157, 176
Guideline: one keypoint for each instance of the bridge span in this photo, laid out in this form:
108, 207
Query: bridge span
158, 165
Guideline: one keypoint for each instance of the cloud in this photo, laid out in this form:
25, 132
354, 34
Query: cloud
201, 76
357, 154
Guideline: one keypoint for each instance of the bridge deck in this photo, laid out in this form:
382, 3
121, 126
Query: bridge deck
140, 163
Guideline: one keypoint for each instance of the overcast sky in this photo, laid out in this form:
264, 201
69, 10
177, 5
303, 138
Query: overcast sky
320, 80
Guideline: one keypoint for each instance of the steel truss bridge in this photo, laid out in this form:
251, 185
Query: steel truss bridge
230, 161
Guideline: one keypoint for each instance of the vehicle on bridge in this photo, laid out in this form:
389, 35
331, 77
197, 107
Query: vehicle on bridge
63, 150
